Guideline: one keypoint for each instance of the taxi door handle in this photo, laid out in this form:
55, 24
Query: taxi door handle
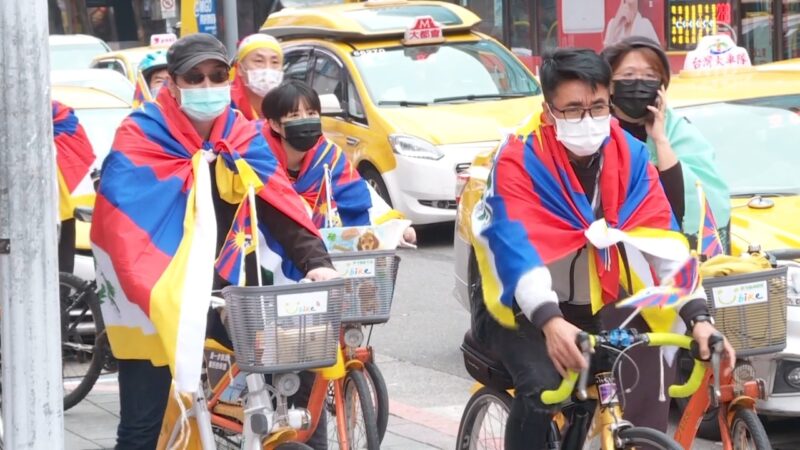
351, 141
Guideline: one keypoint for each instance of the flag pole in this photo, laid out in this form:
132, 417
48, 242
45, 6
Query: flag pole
702, 198
251, 195
328, 211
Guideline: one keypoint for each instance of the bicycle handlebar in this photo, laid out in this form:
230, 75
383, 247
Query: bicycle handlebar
564, 390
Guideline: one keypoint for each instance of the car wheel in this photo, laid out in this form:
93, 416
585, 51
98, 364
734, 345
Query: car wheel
371, 176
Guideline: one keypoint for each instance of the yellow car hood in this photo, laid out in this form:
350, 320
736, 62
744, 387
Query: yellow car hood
456, 123
771, 228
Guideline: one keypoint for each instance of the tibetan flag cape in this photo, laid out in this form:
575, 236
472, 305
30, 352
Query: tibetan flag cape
74, 159
534, 212
350, 197
141, 93
154, 232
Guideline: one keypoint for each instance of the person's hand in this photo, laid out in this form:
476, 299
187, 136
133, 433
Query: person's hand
560, 337
656, 125
410, 235
322, 274
701, 332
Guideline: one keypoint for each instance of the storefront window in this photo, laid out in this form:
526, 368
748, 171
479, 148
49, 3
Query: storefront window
548, 25
757, 23
520, 31
691, 20
791, 28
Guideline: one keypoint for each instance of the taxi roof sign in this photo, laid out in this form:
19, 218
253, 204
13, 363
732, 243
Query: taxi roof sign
163, 40
424, 30
714, 53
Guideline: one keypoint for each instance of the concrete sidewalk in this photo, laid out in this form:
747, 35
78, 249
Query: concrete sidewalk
92, 424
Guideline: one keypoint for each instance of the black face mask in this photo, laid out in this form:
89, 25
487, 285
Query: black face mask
302, 134
633, 97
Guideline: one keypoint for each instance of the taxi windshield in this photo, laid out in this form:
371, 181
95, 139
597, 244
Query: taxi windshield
74, 56
446, 73
755, 142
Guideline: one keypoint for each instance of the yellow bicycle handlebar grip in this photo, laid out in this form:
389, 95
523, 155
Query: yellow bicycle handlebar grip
563, 392
684, 342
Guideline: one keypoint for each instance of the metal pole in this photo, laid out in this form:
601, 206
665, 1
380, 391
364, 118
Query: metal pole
231, 25
32, 399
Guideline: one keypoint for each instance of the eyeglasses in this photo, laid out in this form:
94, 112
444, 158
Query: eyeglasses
196, 77
575, 114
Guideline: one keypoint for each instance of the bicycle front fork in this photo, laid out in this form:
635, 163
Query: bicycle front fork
260, 419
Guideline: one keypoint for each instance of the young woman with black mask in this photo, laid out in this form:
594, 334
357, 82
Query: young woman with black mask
293, 130
640, 77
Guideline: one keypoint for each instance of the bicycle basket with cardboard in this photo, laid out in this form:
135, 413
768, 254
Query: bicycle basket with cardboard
366, 258
747, 299
287, 328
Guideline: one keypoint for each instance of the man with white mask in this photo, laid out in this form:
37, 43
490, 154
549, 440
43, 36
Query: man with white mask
258, 69
544, 272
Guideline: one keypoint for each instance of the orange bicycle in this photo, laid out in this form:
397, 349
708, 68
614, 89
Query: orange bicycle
276, 331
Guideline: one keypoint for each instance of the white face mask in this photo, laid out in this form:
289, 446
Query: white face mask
261, 81
583, 138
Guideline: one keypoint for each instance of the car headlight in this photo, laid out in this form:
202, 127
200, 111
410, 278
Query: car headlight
793, 378
414, 147
793, 285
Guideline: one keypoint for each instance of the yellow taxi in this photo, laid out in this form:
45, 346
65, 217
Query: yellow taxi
100, 113
127, 61
415, 92
752, 117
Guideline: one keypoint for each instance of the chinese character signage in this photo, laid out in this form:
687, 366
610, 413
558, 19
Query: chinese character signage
691, 20
425, 30
716, 52
206, 13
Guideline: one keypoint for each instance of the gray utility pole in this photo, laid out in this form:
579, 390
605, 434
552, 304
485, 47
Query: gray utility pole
231, 26
33, 416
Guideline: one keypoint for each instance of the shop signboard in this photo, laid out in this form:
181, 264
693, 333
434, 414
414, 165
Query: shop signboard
206, 13
691, 20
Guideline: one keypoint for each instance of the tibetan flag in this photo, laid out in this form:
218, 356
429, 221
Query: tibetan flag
74, 159
349, 194
242, 239
154, 234
676, 289
709, 244
534, 212
141, 93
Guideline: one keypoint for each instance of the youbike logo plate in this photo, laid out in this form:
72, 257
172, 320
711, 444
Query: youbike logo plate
740, 294
302, 304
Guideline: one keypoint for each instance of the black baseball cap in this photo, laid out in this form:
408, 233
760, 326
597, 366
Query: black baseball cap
191, 50
614, 52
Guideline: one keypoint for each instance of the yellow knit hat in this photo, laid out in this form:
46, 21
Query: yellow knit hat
256, 41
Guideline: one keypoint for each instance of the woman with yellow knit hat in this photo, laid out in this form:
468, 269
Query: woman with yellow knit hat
258, 68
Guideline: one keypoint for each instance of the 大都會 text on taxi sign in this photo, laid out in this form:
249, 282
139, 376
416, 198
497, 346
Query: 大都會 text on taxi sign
424, 30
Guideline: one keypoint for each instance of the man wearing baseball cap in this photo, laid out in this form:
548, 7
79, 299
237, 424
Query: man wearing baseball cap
164, 196
259, 68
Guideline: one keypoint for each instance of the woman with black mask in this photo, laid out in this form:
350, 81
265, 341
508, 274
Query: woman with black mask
640, 77
293, 130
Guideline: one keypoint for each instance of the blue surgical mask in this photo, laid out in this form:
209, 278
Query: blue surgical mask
204, 104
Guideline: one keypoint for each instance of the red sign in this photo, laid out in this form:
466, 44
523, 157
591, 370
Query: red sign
425, 30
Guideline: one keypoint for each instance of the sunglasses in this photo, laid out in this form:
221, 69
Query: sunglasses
196, 77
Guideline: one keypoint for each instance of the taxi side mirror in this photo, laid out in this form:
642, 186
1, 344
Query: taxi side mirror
330, 105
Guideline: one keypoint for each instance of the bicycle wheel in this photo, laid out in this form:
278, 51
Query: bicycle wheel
81, 321
380, 397
636, 436
361, 429
483, 424
747, 431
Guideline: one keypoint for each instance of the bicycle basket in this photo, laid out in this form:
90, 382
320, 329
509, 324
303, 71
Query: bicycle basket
750, 309
369, 284
285, 328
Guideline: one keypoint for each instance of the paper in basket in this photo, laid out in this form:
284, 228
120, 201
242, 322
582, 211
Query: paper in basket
372, 237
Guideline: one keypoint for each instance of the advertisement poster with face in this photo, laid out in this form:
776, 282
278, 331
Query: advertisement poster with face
599, 23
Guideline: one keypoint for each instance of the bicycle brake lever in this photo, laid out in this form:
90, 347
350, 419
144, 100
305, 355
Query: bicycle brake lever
716, 345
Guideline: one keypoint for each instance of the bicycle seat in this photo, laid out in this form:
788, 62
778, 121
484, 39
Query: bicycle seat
483, 365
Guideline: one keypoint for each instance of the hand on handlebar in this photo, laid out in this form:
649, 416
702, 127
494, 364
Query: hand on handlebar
322, 274
701, 333
560, 337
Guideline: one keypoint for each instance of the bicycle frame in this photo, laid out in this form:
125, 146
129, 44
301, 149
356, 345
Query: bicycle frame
731, 397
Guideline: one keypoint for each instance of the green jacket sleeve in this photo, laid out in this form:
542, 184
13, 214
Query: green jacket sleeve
697, 158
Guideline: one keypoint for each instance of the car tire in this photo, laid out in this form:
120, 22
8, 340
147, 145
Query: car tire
371, 176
